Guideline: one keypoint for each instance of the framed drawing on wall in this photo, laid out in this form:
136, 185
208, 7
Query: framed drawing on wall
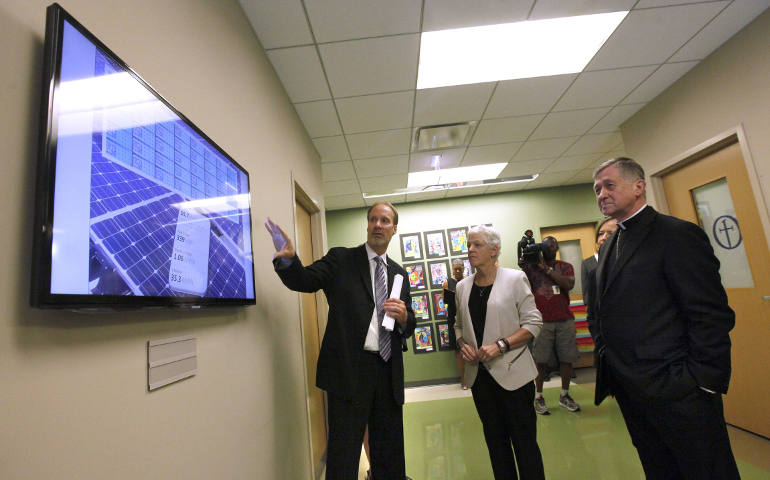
439, 272
417, 276
435, 244
411, 247
439, 308
423, 340
458, 240
421, 307
442, 332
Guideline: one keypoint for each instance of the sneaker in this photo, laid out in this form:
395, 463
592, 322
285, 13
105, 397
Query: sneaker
567, 402
465, 387
540, 407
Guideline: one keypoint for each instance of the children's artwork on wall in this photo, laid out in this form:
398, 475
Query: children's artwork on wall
421, 307
439, 308
439, 272
435, 244
422, 340
458, 240
411, 248
442, 332
417, 276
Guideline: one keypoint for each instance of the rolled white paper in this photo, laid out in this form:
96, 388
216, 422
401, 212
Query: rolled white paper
388, 322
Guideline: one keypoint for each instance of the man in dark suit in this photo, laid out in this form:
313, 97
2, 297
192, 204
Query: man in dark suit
360, 364
660, 320
605, 230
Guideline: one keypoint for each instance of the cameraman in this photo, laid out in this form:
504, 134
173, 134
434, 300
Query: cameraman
551, 281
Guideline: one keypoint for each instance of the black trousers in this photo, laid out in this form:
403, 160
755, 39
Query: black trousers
508, 418
376, 406
684, 438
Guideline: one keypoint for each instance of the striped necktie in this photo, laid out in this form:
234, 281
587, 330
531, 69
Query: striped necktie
381, 294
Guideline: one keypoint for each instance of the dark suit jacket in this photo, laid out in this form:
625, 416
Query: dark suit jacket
586, 268
660, 314
343, 274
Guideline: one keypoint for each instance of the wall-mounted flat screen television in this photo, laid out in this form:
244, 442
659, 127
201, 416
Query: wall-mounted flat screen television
135, 205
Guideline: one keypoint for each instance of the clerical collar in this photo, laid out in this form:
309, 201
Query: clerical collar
622, 224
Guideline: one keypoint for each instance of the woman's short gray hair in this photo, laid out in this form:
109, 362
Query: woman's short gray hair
490, 234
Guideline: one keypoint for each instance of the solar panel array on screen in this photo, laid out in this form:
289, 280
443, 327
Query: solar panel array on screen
134, 222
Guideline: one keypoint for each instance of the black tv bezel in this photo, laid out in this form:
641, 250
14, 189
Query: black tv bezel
40, 293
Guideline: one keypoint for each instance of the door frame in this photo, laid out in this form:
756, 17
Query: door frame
318, 238
713, 144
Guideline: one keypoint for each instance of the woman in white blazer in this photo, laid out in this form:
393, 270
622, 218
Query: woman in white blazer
496, 320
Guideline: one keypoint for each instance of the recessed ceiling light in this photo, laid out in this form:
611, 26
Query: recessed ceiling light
454, 175
449, 186
535, 48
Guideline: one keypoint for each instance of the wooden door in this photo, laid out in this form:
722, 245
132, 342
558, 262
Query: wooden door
311, 336
739, 241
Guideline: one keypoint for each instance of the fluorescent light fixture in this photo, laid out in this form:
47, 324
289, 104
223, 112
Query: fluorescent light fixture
535, 48
454, 175
450, 186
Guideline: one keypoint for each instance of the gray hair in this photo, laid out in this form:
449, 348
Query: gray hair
628, 167
490, 234
458, 261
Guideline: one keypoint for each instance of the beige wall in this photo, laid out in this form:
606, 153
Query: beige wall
73, 387
727, 89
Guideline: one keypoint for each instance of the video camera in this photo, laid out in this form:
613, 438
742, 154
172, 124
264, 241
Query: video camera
532, 254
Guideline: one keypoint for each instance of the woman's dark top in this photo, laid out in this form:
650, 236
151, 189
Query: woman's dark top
449, 303
477, 305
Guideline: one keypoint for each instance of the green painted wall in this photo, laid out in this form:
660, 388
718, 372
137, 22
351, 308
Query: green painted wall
511, 213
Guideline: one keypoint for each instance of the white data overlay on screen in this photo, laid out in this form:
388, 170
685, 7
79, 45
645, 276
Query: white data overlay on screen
190, 257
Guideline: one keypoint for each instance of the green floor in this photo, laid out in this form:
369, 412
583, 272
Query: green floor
444, 440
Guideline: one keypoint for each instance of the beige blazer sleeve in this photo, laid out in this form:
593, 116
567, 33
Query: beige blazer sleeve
511, 306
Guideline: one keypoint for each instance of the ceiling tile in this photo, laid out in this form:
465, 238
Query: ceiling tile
421, 161
300, 72
334, 171
550, 148
379, 144
571, 163
422, 196
319, 118
583, 176
445, 14
527, 95
490, 154
560, 8
506, 187
376, 167
341, 187
278, 24
663, 78
394, 199
374, 65
460, 103
332, 149
602, 89
335, 20
339, 202
562, 124
593, 144
550, 179
662, 3
616, 117
650, 36
501, 130
728, 23
383, 183
530, 167
393, 111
